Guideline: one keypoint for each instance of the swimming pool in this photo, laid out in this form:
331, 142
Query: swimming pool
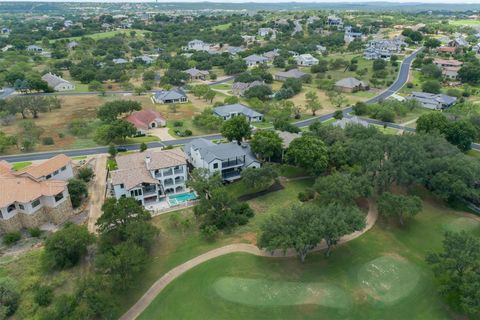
181, 197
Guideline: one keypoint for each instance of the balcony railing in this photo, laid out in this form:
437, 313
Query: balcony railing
147, 191
232, 163
167, 172
230, 174
178, 171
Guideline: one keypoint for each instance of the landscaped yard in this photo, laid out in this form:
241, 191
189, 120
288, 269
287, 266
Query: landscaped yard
104, 35
381, 275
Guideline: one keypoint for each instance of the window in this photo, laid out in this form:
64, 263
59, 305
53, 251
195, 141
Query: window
48, 176
35, 203
55, 172
21, 206
59, 197
63, 168
215, 166
136, 193
122, 186
11, 208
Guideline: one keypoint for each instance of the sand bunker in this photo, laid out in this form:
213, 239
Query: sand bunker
388, 279
262, 292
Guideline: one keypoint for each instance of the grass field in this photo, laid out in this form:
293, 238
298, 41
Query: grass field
104, 35
21, 165
464, 22
222, 27
381, 275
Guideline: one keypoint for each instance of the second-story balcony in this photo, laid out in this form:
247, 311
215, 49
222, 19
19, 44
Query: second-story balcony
233, 163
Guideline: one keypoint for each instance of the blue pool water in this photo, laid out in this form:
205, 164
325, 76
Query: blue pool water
182, 197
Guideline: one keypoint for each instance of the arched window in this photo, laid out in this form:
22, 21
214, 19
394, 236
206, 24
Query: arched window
11, 208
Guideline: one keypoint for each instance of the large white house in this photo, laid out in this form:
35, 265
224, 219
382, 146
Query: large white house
36, 195
198, 45
237, 109
228, 159
306, 60
150, 176
57, 83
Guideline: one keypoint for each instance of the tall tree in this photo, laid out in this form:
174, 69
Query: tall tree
313, 104
308, 152
266, 143
399, 206
297, 228
236, 128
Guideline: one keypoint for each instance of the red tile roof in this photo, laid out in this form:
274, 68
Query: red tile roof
141, 119
447, 49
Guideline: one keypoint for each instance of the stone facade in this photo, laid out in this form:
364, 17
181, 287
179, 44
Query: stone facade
57, 215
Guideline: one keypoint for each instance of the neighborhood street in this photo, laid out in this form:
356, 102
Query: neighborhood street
397, 85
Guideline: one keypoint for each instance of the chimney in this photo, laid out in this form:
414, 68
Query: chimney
147, 160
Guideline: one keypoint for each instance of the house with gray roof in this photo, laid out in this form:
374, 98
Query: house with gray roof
175, 95
237, 109
72, 45
228, 159
305, 60
433, 101
34, 48
254, 60
239, 88
351, 85
350, 121
57, 83
235, 50
120, 61
292, 73
145, 59
196, 74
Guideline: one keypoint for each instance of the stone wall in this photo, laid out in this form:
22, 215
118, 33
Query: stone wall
57, 215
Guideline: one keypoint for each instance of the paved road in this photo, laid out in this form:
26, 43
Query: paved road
9, 91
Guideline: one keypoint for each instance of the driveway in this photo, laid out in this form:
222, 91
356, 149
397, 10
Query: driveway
97, 192
161, 133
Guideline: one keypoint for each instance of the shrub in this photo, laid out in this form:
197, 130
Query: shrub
209, 232
178, 124
306, 195
47, 141
410, 85
85, 174
35, 232
43, 295
11, 237
8, 297
188, 132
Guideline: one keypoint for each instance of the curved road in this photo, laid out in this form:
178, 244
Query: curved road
397, 85
171, 275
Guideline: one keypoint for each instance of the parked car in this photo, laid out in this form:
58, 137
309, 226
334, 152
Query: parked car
121, 149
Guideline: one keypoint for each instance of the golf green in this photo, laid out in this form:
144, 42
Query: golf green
381, 275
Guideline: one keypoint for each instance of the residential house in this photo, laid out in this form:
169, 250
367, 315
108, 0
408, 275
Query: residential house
254, 60
351, 85
335, 21
5, 30
458, 43
146, 119
235, 50
447, 63
263, 32
433, 101
448, 50
350, 121
198, 45
248, 39
383, 49
312, 19
120, 61
196, 74
228, 159
145, 59
451, 72
175, 95
351, 35
270, 55
72, 45
150, 176
32, 197
305, 60
239, 88
237, 109
34, 48
67, 23
321, 49
57, 83
292, 73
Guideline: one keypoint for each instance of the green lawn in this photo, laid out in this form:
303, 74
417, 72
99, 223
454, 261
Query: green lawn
222, 27
145, 139
187, 124
104, 35
381, 275
464, 22
21, 165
